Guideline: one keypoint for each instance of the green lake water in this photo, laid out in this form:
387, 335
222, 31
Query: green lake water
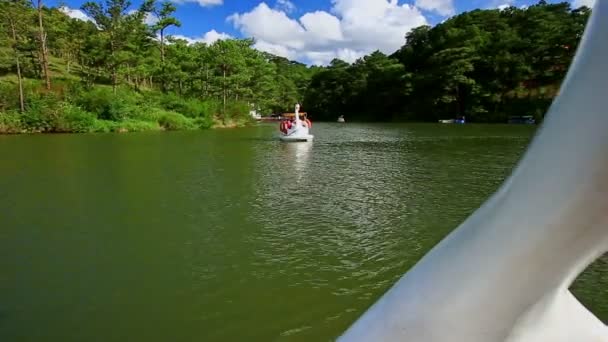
231, 235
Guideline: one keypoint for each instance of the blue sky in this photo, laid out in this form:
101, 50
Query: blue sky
313, 31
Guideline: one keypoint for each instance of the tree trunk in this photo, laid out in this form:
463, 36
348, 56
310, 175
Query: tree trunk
162, 47
458, 101
114, 79
206, 86
162, 61
113, 66
43, 49
224, 91
128, 75
19, 78
69, 60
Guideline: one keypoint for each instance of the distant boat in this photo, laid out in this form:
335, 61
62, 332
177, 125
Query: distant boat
341, 119
460, 120
254, 113
522, 120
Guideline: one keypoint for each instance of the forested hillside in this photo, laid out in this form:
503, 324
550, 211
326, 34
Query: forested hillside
484, 64
121, 73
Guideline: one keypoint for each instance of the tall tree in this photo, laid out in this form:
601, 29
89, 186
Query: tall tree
117, 29
44, 53
165, 20
14, 13
230, 62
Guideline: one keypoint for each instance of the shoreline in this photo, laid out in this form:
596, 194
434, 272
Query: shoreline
144, 126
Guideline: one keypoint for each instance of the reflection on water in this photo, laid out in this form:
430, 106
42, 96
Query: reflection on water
296, 158
212, 235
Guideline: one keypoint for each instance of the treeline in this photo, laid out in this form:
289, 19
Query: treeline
120, 72
63, 74
485, 65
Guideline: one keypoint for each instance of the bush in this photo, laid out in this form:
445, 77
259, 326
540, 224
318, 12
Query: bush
211, 108
107, 105
69, 107
47, 113
10, 122
134, 126
203, 122
103, 126
191, 108
106, 126
236, 113
42, 112
173, 121
74, 119
9, 96
143, 113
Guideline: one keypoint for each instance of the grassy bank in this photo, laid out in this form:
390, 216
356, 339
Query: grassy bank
70, 107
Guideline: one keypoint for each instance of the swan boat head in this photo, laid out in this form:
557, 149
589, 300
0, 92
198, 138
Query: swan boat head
504, 274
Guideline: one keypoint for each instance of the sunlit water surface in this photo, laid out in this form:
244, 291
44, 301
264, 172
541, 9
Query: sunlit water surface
231, 235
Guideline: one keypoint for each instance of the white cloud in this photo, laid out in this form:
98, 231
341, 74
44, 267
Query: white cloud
579, 3
213, 36
271, 26
499, 4
75, 13
352, 29
442, 7
149, 19
322, 26
208, 38
275, 49
370, 25
285, 6
189, 40
323, 58
204, 3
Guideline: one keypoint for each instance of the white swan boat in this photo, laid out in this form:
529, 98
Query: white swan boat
296, 128
505, 273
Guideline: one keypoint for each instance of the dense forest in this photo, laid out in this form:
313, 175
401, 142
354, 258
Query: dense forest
59, 74
121, 73
485, 65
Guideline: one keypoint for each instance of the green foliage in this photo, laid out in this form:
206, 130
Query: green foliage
130, 125
114, 75
189, 107
48, 113
237, 112
375, 84
483, 64
8, 100
172, 121
203, 122
102, 126
10, 122
109, 106
125, 126
118, 49
73, 119
42, 113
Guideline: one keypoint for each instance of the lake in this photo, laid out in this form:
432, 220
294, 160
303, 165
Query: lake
231, 235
